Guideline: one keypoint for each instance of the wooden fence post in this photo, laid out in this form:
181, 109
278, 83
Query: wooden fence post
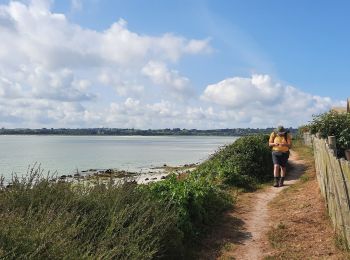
333, 176
332, 143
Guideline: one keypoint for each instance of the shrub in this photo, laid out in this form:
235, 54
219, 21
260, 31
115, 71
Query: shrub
198, 202
45, 220
244, 163
333, 124
344, 138
330, 123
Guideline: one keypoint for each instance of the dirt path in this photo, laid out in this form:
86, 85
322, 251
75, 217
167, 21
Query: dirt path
293, 226
256, 220
242, 232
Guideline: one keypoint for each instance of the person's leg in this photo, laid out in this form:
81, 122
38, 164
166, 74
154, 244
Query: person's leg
283, 174
276, 174
283, 171
276, 170
283, 168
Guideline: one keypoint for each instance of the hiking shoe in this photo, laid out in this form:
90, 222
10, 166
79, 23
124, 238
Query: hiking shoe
276, 183
280, 184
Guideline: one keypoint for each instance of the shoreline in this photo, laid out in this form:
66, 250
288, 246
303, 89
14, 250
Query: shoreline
143, 175
152, 174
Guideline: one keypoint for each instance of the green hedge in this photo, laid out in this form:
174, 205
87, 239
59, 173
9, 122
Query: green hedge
333, 124
244, 163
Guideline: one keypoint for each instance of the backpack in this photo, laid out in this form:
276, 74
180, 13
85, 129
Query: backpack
285, 138
285, 135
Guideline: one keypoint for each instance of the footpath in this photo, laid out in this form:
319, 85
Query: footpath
288, 222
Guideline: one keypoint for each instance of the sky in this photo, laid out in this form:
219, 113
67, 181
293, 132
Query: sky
202, 64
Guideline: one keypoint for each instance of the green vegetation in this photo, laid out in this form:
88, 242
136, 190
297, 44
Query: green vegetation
332, 124
42, 219
245, 163
197, 200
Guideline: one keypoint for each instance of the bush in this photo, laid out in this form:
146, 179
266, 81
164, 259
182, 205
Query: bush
244, 163
330, 123
198, 202
45, 220
344, 138
333, 124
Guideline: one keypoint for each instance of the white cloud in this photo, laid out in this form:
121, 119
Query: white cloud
51, 40
50, 66
123, 85
54, 73
59, 85
162, 114
237, 92
76, 5
198, 46
260, 101
9, 89
159, 74
39, 112
38, 36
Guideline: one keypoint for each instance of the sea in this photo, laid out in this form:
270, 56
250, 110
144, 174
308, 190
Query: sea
70, 154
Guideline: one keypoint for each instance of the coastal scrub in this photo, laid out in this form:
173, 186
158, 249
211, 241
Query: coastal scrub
49, 220
244, 163
43, 218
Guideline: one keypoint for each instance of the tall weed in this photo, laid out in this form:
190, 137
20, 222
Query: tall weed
48, 220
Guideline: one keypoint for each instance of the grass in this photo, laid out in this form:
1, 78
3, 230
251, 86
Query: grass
301, 216
340, 242
277, 235
45, 219
304, 151
41, 219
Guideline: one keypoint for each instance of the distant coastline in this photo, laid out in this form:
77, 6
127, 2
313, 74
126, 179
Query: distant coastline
138, 132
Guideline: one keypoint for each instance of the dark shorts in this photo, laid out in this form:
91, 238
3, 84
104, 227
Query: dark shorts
280, 158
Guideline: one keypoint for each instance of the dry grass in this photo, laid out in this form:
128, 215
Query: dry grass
229, 231
301, 228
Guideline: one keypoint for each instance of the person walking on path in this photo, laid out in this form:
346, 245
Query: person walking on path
280, 141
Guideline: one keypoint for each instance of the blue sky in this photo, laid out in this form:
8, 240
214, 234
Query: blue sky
154, 64
304, 42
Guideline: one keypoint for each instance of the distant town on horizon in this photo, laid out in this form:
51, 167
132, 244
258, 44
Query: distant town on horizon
132, 131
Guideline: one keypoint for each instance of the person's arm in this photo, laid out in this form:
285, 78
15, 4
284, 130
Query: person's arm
289, 142
272, 141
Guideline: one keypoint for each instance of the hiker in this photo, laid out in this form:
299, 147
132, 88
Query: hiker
280, 141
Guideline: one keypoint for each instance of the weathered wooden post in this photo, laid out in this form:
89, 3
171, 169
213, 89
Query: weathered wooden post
332, 143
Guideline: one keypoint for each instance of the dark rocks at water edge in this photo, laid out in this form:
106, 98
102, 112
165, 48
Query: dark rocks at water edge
98, 173
153, 174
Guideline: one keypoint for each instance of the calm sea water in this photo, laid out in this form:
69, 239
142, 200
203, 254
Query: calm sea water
67, 154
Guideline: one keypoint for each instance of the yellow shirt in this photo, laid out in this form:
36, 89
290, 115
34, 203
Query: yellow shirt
275, 138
